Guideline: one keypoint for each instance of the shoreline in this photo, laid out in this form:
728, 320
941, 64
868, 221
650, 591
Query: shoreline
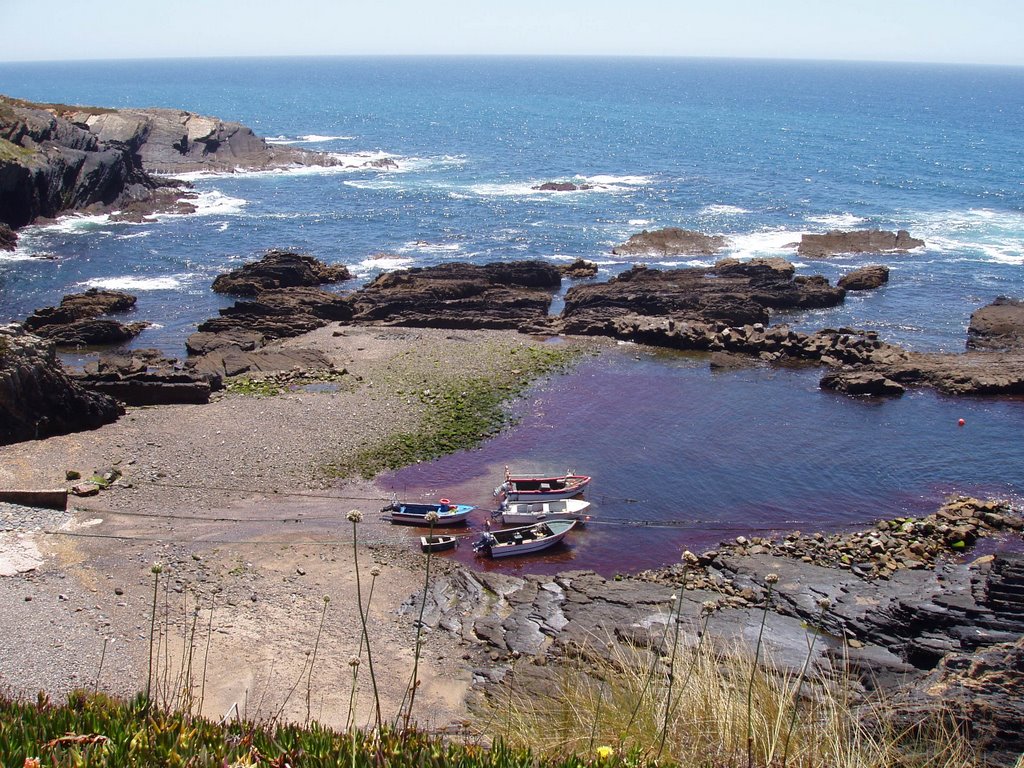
226, 497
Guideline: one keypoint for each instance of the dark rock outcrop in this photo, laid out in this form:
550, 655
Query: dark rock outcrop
671, 241
999, 326
278, 269
49, 165
861, 383
580, 269
865, 278
146, 377
561, 186
733, 292
497, 295
173, 141
282, 313
856, 241
77, 320
37, 397
8, 238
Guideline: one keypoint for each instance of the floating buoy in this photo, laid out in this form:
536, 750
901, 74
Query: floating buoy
961, 422
445, 501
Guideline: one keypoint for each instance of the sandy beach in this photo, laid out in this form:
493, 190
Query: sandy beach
231, 500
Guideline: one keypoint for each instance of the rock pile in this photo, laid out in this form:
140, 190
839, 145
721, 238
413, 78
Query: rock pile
78, 320
279, 269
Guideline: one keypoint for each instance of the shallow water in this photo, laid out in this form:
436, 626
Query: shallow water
683, 457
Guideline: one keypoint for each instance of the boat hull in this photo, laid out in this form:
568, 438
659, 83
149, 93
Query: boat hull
416, 514
438, 543
525, 540
527, 513
519, 488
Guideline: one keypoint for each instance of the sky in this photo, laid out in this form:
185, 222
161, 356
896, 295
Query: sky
953, 31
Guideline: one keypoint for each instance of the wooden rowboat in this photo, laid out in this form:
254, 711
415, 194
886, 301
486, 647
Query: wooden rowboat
416, 514
438, 542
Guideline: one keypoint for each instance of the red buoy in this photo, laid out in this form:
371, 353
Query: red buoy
961, 422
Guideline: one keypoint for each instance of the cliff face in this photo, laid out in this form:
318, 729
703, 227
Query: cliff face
49, 165
37, 398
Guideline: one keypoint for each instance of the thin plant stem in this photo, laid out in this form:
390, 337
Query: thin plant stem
672, 664
800, 680
650, 672
362, 615
206, 653
597, 716
99, 670
770, 580
155, 570
414, 682
316, 645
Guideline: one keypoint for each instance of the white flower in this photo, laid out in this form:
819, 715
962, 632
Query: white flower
354, 516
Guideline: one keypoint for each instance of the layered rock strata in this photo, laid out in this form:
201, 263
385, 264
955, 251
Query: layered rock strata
856, 241
278, 269
671, 241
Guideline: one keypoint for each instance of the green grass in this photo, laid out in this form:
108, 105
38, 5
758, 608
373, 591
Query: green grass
10, 152
269, 386
96, 730
459, 414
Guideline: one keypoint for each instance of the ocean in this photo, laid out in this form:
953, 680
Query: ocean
759, 151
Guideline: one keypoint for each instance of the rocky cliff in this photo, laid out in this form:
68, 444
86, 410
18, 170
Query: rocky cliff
37, 398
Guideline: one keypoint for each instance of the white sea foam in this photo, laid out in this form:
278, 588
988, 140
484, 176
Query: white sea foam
310, 138
978, 233
131, 283
135, 235
837, 220
384, 262
423, 246
18, 254
723, 210
775, 242
73, 223
639, 222
608, 180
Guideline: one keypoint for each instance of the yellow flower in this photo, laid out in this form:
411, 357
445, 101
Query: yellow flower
604, 752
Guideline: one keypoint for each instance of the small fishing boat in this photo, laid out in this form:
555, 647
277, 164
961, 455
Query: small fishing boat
532, 488
416, 514
528, 512
439, 542
521, 541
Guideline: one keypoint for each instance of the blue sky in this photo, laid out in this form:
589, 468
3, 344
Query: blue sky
958, 31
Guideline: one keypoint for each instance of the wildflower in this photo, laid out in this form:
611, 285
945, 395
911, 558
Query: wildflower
353, 662
354, 516
375, 571
771, 578
157, 568
824, 603
431, 517
709, 606
327, 599
31, 762
689, 558
604, 752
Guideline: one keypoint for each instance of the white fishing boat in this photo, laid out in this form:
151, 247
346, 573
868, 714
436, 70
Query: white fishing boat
529, 512
524, 540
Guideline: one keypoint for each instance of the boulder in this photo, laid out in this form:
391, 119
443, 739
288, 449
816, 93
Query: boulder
856, 241
671, 241
997, 326
94, 332
861, 382
865, 278
37, 397
8, 238
278, 269
580, 269
496, 295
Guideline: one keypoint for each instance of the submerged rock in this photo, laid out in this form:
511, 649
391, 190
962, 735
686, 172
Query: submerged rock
561, 186
865, 278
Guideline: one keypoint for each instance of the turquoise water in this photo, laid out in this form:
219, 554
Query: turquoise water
757, 151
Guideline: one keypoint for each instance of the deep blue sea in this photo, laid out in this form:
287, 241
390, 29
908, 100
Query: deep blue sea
758, 151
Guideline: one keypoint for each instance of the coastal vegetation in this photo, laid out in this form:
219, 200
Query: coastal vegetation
458, 412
